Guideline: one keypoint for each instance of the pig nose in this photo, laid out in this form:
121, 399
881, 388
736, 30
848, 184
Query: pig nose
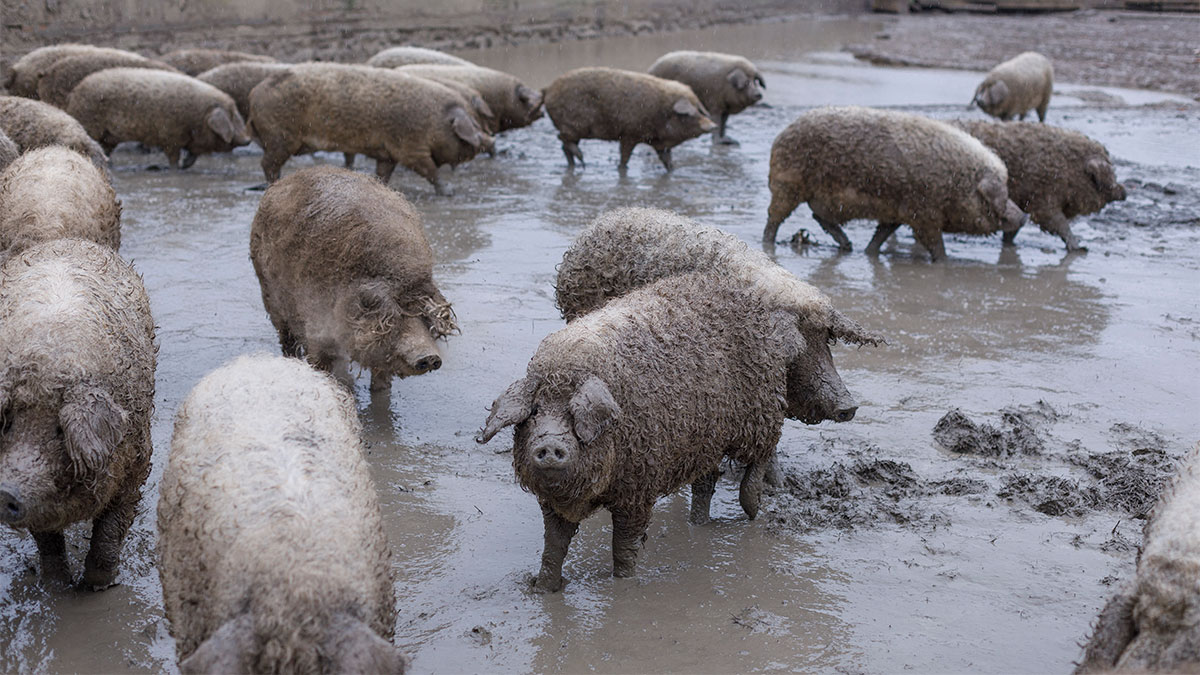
845, 414
757, 96
428, 363
11, 508
551, 456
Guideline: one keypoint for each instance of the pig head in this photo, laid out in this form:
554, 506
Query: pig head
394, 330
815, 391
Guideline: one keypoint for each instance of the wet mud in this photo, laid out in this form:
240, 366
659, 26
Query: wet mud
883, 550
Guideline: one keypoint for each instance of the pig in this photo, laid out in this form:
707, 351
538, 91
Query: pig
597, 103
1054, 174
404, 56
1150, 625
33, 124
726, 84
195, 61
77, 359
853, 162
56, 83
347, 275
388, 116
239, 79
271, 548
24, 75
642, 396
8, 151
56, 193
628, 248
1016, 86
513, 104
165, 110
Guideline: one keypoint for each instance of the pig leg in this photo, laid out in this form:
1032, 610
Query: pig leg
425, 167
272, 162
702, 493
288, 344
1115, 629
629, 533
384, 168
719, 134
571, 149
664, 156
751, 488
108, 532
380, 381
188, 159
834, 230
348, 160
931, 239
559, 532
627, 152
773, 476
172, 157
52, 549
784, 200
1060, 226
882, 232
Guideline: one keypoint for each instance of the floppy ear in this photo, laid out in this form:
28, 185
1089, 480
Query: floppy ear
464, 128
225, 651
593, 408
785, 331
529, 97
758, 78
481, 107
995, 192
93, 424
996, 93
513, 407
848, 331
738, 78
370, 297
685, 107
354, 648
222, 125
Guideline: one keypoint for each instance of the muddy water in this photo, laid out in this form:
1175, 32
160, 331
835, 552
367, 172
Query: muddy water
971, 580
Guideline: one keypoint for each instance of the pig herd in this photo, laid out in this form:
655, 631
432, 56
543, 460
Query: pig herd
665, 316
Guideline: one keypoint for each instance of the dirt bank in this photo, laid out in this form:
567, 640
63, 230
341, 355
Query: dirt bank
1120, 49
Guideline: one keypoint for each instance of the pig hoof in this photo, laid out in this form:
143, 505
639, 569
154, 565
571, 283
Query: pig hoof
546, 585
98, 580
725, 140
699, 519
258, 188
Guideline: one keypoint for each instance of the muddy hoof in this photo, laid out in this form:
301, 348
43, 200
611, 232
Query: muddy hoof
97, 580
545, 585
258, 188
725, 140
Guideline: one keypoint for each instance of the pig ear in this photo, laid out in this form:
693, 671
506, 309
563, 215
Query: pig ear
225, 651
785, 331
513, 407
482, 108
848, 331
464, 128
222, 125
92, 424
758, 78
738, 78
371, 297
995, 94
354, 648
685, 107
995, 192
529, 97
593, 408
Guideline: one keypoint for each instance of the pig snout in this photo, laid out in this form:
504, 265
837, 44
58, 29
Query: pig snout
845, 414
426, 363
12, 509
551, 455
416, 348
706, 124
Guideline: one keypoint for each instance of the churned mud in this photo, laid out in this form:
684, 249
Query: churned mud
974, 516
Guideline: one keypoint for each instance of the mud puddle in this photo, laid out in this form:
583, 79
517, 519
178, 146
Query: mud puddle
920, 563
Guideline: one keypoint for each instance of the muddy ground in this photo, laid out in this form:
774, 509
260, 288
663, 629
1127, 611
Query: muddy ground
975, 515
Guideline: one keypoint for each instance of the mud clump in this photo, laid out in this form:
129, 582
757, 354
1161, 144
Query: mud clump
958, 434
1130, 480
1051, 495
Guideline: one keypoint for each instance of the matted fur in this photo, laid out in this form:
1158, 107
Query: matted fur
56, 193
239, 79
320, 237
74, 317
195, 61
1153, 623
8, 150
28, 70
268, 511
33, 124
393, 57
597, 103
1028, 82
388, 116
157, 108
56, 83
514, 104
1054, 174
712, 76
853, 162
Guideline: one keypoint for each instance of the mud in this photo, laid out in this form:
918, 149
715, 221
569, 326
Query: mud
884, 551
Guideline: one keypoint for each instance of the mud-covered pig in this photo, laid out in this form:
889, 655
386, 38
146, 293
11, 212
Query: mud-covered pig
76, 397
641, 397
347, 275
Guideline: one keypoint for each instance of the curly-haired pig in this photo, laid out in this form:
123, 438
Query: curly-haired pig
56, 193
1020, 84
1150, 625
33, 124
623, 106
271, 548
25, 73
160, 109
388, 116
393, 57
58, 80
195, 61
628, 248
239, 79
347, 275
892, 167
725, 83
513, 104
77, 360
641, 397
1054, 174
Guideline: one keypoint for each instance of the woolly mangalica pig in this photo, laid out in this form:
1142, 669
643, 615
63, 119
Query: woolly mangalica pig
893, 167
1150, 625
24, 75
641, 397
76, 396
623, 106
726, 84
347, 275
630, 247
1020, 84
33, 124
270, 540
